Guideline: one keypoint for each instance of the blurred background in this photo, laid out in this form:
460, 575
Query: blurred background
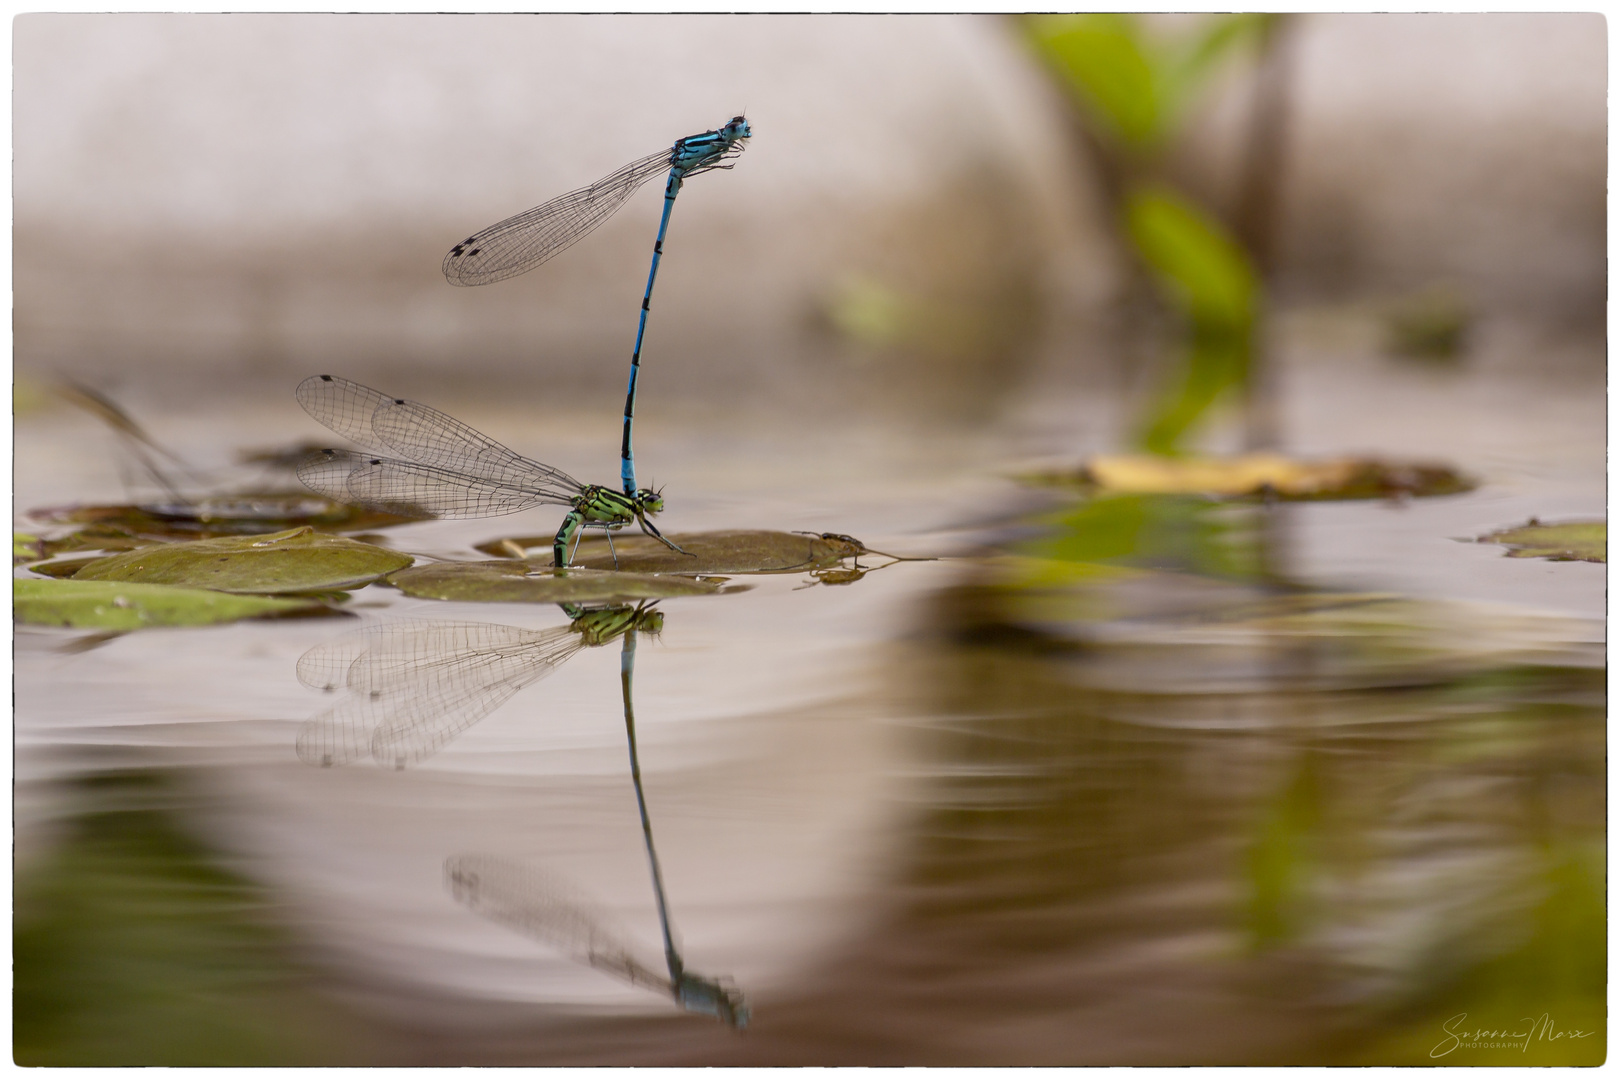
1130, 777
205, 203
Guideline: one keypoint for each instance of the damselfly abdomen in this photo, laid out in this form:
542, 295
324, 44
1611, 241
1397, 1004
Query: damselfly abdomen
524, 241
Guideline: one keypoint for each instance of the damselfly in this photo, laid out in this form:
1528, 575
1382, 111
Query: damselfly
520, 243
446, 469
411, 686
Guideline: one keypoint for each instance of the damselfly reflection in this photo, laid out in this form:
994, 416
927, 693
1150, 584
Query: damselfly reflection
534, 902
414, 685
543, 906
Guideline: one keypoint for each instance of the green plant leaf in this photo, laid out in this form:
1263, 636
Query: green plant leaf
1569, 541
1105, 62
515, 581
1204, 271
116, 605
295, 561
1209, 280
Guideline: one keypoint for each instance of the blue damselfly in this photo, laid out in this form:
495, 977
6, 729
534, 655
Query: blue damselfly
446, 469
524, 241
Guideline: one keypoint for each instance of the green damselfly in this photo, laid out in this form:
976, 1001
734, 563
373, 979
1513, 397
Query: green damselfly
446, 469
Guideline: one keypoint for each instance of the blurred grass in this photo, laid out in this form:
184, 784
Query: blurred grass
133, 946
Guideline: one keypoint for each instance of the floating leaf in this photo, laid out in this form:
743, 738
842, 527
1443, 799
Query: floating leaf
741, 551
1262, 474
25, 547
298, 560
1569, 541
64, 568
514, 581
224, 515
118, 605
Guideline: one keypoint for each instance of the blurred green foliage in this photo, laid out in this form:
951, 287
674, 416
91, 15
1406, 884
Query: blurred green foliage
1135, 83
133, 946
1165, 532
1211, 283
1133, 88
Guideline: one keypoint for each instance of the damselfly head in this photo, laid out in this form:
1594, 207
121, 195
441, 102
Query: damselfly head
649, 500
737, 129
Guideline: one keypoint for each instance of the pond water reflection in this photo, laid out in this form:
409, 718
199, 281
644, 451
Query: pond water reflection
1136, 781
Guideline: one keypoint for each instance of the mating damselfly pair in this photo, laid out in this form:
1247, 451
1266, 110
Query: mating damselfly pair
445, 468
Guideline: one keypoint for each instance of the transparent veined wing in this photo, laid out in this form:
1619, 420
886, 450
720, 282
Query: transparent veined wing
543, 906
406, 487
426, 435
418, 433
522, 242
345, 407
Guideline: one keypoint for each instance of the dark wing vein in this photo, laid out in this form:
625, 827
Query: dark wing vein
524, 241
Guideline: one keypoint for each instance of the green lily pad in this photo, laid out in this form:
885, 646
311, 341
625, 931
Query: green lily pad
295, 561
118, 605
738, 551
514, 581
63, 568
25, 547
248, 514
1569, 541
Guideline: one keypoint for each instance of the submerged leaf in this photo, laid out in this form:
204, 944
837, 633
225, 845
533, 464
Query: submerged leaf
298, 560
738, 551
117, 605
514, 581
1273, 475
1569, 541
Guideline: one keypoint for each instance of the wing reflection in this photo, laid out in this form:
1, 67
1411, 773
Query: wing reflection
414, 685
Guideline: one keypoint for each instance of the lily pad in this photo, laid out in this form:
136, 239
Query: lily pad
25, 547
63, 568
739, 551
224, 515
1569, 541
1261, 474
295, 561
118, 605
514, 581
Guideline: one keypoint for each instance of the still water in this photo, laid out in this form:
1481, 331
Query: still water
1114, 782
